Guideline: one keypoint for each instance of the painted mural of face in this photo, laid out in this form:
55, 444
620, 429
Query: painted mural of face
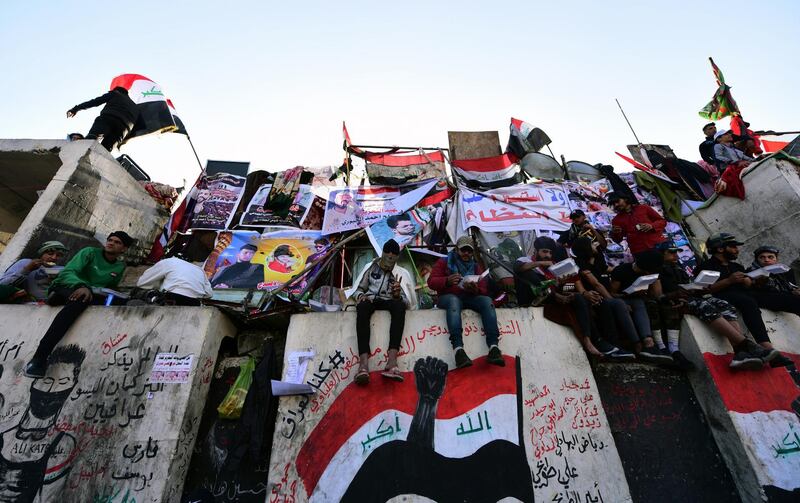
49, 393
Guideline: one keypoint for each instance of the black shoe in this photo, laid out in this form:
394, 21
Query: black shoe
615, 354
780, 361
495, 357
654, 355
35, 369
462, 360
744, 360
758, 351
681, 361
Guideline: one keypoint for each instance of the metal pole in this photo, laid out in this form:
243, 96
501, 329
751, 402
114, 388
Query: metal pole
629, 122
393, 147
195, 154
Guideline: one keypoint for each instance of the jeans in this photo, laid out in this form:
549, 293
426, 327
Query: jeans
616, 317
639, 315
63, 320
364, 310
454, 304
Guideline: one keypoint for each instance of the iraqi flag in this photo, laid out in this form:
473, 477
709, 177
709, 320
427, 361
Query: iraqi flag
404, 167
447, 436
178, 222
488, 172
181, 129
764, 407
154, 112
525, 138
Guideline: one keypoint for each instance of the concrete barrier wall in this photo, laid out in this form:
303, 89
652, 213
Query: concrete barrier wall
755, 416
97, 427
532, 428
90, 196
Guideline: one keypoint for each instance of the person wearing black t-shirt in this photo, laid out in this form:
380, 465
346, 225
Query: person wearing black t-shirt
735, 287
622, 277
674, 301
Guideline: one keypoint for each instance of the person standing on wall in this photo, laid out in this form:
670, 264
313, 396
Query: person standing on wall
447, 278
116, 119
89, 268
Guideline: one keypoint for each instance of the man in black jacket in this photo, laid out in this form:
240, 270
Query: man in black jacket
707, 147
115, 120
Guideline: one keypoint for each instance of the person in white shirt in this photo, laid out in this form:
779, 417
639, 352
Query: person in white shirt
184, 283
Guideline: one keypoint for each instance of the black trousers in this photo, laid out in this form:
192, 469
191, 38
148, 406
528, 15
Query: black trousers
749, 303
63, 320
176, 299
110, 128
364, 310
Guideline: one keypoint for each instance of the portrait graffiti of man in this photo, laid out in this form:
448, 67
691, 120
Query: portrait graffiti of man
34, 458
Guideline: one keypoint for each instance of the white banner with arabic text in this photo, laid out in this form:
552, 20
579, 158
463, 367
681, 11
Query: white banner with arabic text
521, 207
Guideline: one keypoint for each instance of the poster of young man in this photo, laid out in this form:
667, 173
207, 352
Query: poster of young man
403, 228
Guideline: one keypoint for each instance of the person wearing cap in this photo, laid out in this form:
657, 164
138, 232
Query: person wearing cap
646, 347
182, 282
568, 302
581, 227
382, 286
725, 153
639, 224
735, 287
455, 294
707, 147
783, 282
242, 274
90, 268
31, 274
675, 301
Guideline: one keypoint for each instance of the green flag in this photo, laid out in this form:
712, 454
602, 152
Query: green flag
722, 104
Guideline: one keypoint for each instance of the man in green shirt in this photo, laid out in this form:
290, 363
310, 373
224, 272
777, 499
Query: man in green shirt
72, 288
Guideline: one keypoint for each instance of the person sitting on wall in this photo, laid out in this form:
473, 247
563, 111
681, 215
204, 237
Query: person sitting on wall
242, 274
568, 303
89, 268
381, 289
447, 278
613, 314
31, 274
640, 224
182, 282
726, 153
116, 119
623, 276
735, 287
783, 282
707, 147
675, 302
581, 227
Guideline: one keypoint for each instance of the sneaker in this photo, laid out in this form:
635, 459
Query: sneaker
35, 369
613, 353
495, 357
761, 352
780, 361
654, 355
744, 360
462, 360
681, 361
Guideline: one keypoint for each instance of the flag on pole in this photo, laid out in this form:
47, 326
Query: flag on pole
722, 104
348, 145
178, 221
489, 172
525, 138
178, 122
154, 112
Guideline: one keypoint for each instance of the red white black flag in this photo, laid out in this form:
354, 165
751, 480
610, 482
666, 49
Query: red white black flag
154, 112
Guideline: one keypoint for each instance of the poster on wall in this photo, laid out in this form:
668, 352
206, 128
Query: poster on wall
404, 228
523, 207
255, 212
356, 207
218, 196
259, 214
263, 261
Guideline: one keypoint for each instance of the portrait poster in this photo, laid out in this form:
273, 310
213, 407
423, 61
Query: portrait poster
404, 228
218, 196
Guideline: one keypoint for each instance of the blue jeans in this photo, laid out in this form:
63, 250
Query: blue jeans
454, 304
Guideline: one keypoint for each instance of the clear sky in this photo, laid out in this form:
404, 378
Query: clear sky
270, 82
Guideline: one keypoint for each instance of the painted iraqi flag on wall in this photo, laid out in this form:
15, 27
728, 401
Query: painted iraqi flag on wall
154, 113
488, 172
446, 436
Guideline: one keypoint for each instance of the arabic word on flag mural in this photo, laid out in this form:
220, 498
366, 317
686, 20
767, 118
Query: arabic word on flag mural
523, 207
155, 115
217, 197
356, 207
444, 429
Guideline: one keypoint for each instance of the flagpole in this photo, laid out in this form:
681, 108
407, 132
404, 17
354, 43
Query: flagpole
202, 169
629, 122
